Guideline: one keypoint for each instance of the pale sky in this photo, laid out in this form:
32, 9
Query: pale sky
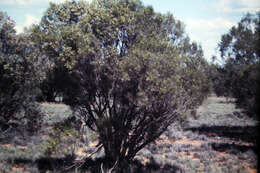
205, 20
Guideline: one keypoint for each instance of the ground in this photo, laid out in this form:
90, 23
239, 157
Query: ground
219, 138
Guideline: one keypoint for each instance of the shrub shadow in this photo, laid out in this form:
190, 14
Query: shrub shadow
152, 166
45, 164
68, 164
232, 148
53, 164
94, 166
243, 133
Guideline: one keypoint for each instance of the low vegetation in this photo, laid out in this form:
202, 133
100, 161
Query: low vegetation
211, 144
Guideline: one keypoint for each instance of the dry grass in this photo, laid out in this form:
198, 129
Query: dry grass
194, 151
189, 150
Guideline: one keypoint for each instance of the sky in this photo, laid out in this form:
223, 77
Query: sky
205, 20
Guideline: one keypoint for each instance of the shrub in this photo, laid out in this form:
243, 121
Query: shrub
63, 139
135, 71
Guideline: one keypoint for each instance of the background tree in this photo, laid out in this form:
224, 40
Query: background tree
217, 75
240, 50
8, 107
20, 71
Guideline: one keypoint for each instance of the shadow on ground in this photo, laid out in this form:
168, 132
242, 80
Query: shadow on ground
45, 164
135, 167
232, 148
243, 133
68, 164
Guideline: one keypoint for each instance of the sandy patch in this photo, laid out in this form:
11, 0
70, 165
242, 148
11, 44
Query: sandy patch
183, 141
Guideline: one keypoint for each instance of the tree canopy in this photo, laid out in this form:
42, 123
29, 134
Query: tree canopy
20, 73
239, 49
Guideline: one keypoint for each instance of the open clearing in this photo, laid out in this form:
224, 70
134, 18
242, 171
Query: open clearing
219, 139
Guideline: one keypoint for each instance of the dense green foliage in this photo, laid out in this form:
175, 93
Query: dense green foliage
20, 72
130, 72
239, 76
56, 37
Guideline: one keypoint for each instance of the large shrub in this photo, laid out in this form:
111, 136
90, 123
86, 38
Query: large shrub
135, 71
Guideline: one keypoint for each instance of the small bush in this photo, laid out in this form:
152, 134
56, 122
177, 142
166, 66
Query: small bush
34, 118
172, 156
63, 139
